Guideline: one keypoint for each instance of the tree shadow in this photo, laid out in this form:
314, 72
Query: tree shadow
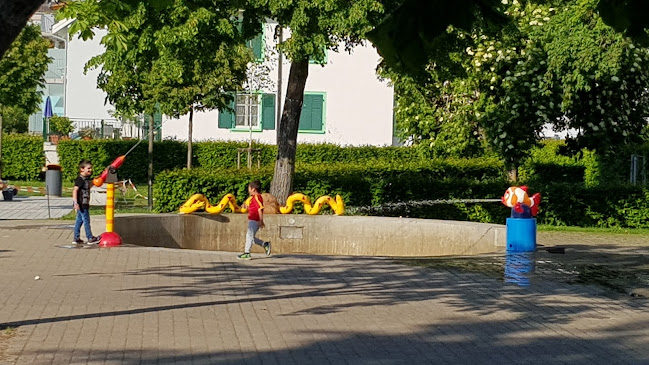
463, 342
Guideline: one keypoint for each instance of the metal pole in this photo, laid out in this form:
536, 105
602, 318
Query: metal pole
47, 194
150, 197
644, 171
631, 174
280, 64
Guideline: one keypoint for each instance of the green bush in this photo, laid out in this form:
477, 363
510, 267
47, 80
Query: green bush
167, 155
23, 157
170, 155
359, 186
61, 125
412, 193
599, 206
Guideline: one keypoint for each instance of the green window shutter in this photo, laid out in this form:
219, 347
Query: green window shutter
226, 117
256, 44
312, 112
268, 111
157, 124
323, 61
305, 116
317, 103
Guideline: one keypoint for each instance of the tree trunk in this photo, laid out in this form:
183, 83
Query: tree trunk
189, 138
282, 185
512, 174
13, 18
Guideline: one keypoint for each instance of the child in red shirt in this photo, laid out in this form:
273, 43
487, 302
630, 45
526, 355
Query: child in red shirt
255, 221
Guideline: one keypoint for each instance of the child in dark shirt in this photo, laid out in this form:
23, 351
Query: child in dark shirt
81, 201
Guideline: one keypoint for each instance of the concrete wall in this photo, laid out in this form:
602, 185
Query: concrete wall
321, 234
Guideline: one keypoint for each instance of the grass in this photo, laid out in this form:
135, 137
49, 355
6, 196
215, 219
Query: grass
120, 208
38, 184
549, 228
130, 202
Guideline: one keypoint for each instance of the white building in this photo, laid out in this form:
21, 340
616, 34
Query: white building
345, 103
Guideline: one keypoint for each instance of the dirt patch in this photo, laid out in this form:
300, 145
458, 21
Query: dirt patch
5, 339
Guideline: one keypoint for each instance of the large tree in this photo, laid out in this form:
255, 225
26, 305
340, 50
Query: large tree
22, 71
148, 54
314, 27
551, 65
176, 57
13, 18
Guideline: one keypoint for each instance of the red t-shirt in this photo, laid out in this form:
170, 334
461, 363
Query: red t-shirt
253, 209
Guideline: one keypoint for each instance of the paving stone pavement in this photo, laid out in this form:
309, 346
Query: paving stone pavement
35, 207
136, 305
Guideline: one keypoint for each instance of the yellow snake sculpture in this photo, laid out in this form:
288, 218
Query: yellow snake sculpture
336, 205
199, 201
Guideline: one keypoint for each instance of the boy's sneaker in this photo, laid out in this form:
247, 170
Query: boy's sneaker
77, 241
244, 256
267, 248
93, 241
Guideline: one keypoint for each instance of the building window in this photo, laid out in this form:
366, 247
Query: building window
249, 110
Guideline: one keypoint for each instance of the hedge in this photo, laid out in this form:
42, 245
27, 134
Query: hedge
170, 155
411, 193
167, 155
359, 186
23, 157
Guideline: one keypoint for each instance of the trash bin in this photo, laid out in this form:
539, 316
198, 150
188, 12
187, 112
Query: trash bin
8, 194
54, 180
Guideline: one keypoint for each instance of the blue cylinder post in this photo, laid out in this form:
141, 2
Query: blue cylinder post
521, 234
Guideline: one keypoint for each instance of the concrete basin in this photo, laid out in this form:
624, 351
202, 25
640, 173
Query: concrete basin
318, 234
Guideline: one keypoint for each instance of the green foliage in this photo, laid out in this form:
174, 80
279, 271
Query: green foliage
408, 35
14, 119
22, 157
166, 55
551, 65
318, 25
602, 77
359, 185
223, 155
378, 192
61, 125
626, 16
167, 155
87, 132
602, 206
22, 70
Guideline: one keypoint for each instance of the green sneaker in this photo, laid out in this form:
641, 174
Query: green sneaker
267, 248
244, 256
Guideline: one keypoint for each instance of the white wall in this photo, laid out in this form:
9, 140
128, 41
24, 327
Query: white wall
358, 107
84, 99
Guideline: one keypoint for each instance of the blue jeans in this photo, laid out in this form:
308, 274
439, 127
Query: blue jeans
253, 227
83, 217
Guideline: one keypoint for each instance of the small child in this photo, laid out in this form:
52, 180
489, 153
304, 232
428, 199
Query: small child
255, 221
81, 201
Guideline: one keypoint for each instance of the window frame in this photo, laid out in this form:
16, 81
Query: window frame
246, 128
